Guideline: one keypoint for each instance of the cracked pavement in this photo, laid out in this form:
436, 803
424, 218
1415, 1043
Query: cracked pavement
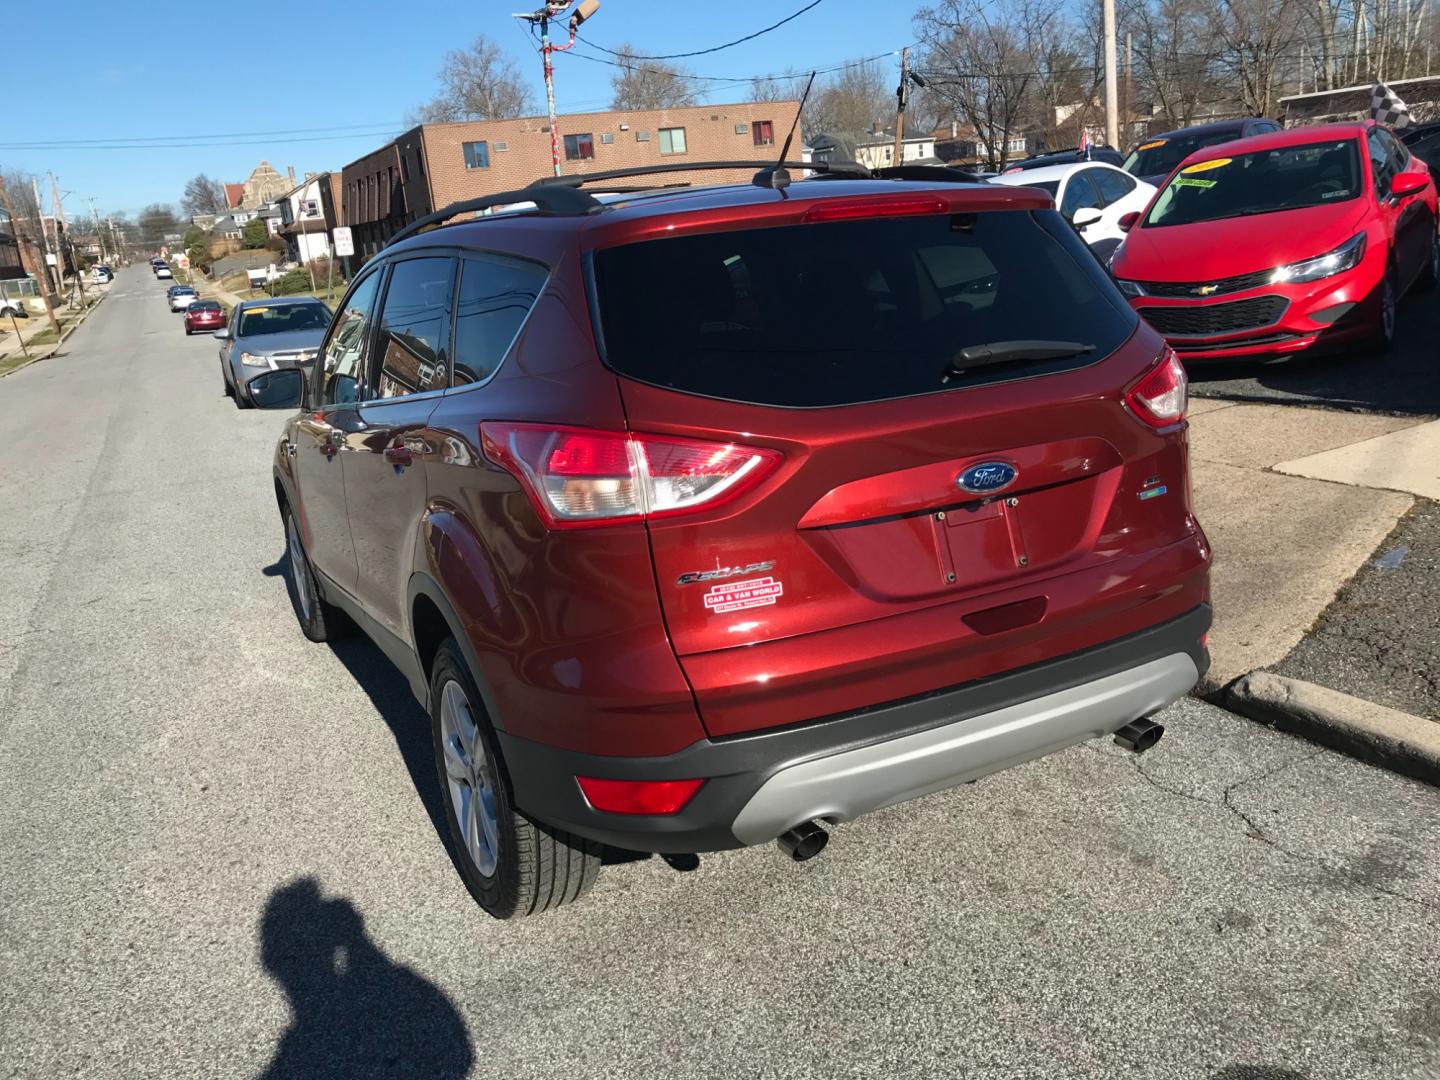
219, 853
1380, 638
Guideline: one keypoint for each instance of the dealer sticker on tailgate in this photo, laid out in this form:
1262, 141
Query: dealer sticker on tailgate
739, 595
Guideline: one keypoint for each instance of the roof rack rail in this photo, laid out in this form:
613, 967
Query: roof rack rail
575, 180
943, 173
558, 200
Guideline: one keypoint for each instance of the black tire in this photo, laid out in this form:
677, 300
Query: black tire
318, 620
1383, 335
1430, 275
536, 868
241, 402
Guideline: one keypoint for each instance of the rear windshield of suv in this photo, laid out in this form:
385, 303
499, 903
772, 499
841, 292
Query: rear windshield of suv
840, 313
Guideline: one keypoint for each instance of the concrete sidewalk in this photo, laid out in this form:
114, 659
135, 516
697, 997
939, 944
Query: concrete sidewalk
12, 351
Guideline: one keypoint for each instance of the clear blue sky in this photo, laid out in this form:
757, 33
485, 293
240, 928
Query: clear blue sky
355, 69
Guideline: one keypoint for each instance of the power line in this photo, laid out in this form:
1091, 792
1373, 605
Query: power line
716, 48
389, 133
737, 79
221, 135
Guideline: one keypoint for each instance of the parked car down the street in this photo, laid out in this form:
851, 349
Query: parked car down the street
1156, 157
837, 516
1073, 156
268, 334
1092, 196
104, 275
10, 306
204, 315
163, 271
182, 296
1277, 243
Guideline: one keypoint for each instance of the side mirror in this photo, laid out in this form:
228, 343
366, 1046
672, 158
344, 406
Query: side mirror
223, 334
1127, 221
1407, 183
283, 389
1085, 217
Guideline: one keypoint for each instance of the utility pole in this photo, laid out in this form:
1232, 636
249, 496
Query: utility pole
64, 241
45, 236
1125, 119
553, 9
36, 256
1112, 107
901, 92
99, 235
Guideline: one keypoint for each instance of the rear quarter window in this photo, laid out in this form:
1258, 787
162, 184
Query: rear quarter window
818, 315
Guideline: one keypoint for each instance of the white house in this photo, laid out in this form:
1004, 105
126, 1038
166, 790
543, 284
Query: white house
307, 214
877, 150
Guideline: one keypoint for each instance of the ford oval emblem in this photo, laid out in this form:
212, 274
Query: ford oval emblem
987, 477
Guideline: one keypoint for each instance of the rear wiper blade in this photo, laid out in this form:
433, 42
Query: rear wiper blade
1007, 352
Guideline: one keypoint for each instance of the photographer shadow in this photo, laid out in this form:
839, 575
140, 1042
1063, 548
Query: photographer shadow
354, 1011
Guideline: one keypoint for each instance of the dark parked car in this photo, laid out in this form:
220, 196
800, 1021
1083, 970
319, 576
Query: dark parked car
267, 335
699, 516
1108, 154
1424, 142
1156, 158
204, 315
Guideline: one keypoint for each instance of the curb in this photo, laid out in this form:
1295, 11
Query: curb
1386, 737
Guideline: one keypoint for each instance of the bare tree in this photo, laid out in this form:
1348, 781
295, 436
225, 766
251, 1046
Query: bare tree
851, 102
648, 84
156, 221
203, 196
987, 62
1258, 41
1170, 69
477, 83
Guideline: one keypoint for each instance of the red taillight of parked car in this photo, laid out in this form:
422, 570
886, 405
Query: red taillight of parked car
638, 796
877, 207
1161, 397
578, 476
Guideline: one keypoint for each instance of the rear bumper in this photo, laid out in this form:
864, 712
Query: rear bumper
759, 785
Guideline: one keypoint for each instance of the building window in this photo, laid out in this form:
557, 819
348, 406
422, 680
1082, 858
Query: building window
763, 132
672, 140
579, 147
642, 136
740, 129
310, 207
477, 155
501, 147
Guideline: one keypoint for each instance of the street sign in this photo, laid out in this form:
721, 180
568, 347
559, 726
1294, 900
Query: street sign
49, 258
344, 243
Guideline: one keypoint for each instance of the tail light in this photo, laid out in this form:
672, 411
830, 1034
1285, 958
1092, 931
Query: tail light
1162, 395
638, 796
875, 207
578, 476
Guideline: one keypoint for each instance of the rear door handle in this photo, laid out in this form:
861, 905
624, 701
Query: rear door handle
398, 454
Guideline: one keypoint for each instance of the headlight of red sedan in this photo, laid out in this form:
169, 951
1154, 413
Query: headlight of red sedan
1346, 257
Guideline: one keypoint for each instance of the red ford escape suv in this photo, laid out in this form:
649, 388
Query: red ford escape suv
697, 517
1272, 244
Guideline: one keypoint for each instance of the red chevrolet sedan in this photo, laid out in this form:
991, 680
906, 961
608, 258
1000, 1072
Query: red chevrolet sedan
1273, 244
204, 315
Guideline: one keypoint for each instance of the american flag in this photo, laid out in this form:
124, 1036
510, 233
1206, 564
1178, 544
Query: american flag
1084, 146
1386, 107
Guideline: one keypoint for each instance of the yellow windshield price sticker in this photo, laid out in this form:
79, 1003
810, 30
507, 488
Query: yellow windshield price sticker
1152, 145
1206, 166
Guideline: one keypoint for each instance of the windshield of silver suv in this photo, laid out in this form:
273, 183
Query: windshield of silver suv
1262, 182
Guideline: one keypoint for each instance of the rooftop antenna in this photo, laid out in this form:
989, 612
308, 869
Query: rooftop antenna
779, 176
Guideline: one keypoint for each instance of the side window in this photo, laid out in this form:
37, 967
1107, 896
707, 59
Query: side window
415, 327
1380, 166
1114, 185
1079, 193
1399, 156
342, 357
495, 296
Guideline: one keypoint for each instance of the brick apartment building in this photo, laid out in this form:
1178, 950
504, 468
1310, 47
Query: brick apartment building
433, 165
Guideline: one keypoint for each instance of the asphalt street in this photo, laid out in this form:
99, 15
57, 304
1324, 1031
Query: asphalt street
219, 853
1405, 380
1380, 638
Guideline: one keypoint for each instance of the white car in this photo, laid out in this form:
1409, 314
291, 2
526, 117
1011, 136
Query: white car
1091, 195
182, 296
13, 307
163, 271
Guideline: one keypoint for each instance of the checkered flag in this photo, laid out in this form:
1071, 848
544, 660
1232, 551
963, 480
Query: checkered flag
1386, 107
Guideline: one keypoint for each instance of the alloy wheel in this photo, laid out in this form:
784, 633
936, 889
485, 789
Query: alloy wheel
469, 779
299, 568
